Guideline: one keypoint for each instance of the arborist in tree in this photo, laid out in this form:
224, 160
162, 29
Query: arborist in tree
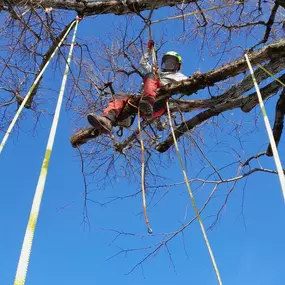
170, 72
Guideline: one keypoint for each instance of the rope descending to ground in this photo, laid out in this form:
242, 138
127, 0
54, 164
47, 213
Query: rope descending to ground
30, 230
193, 199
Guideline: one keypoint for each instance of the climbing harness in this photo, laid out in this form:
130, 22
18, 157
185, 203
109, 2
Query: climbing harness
7, 134
120, 132
192, 198
268, 127
30, 230
126, 123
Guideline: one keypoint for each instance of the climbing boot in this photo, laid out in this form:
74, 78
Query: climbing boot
101, 123
146, 107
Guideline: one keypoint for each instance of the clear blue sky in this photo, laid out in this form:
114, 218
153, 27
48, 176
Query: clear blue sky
249, 248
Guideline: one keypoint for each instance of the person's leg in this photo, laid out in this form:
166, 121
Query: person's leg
105, 122
151, 84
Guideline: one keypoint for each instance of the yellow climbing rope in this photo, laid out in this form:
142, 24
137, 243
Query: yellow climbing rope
30, 230
193, 199
272, 75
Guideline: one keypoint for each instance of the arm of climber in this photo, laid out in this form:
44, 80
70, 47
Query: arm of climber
144, 62
169, 77
146, 67
178, 76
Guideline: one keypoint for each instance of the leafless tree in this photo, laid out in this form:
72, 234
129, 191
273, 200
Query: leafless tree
224, 108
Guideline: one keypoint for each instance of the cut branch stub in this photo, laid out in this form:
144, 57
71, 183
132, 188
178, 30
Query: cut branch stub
83, 136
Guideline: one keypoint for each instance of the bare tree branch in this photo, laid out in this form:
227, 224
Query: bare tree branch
246, 103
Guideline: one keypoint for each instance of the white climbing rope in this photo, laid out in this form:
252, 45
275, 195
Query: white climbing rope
29, 235
269, 130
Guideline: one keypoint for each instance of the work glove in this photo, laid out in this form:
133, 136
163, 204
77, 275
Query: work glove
150, 44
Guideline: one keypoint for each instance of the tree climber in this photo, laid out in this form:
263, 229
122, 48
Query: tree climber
170, 72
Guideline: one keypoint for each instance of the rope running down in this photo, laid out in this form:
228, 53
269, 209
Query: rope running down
193, 199
30, 230
268, 128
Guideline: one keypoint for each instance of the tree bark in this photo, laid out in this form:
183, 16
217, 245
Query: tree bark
279, 121
230, 104
195, 83
88, 8
83, 136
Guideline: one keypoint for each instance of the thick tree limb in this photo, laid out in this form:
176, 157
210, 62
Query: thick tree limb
274, 66
248, 103
195, 83
230, 104
279, 121
275, 51
88, 8
251, 100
